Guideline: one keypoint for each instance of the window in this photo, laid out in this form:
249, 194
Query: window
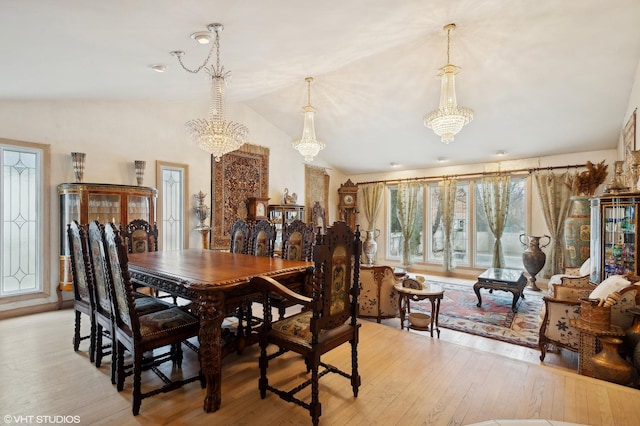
516, 223
23, 231
459, 231
172, 180
395, 230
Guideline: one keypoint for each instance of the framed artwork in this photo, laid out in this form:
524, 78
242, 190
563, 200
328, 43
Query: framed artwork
316, 189
237, 176
629, 144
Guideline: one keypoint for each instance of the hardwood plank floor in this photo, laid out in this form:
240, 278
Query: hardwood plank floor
408, 378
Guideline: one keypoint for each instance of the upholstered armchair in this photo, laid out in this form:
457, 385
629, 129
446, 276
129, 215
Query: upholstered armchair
378, 297
581, 275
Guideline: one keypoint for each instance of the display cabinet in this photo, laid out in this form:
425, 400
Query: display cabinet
614, 238
85, 202
279, 214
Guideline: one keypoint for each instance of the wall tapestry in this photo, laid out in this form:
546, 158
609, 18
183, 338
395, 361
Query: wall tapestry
316, 188
629, 144
237, 176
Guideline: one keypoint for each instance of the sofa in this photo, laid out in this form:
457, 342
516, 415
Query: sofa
378, 297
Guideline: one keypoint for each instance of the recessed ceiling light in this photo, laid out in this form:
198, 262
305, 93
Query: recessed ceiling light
442, 160
501, 153
202, 37
158, 67
392, 164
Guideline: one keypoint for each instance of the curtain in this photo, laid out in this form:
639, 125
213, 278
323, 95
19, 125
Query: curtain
372, 201
495, 198
448, 188
555, 192
407, 205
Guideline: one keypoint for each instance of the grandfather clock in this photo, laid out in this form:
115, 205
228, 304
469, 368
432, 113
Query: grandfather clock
348, 203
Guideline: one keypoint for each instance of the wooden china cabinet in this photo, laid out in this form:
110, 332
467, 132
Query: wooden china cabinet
84, 202
614, 236
281, 214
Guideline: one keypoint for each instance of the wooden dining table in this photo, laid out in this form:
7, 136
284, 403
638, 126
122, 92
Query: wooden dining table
218, 283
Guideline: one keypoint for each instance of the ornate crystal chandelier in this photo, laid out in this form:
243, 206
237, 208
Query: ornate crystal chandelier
448, 119
215, 134
308, 145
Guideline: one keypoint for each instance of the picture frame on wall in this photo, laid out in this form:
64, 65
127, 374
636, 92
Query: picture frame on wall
629, 144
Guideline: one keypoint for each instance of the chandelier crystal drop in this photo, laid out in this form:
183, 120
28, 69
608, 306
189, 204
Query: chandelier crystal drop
308, 145
448, 119
215, 134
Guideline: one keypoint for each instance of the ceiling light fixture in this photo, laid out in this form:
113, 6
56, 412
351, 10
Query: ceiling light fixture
203, 37
215, 134
501, 153
448, 119
308, 145
158, 67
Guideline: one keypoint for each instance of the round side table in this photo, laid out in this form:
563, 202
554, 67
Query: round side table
433, 292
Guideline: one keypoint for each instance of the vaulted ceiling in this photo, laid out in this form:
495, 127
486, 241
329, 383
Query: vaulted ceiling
544, 77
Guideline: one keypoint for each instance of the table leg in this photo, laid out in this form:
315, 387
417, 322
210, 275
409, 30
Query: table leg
402, 304
433, 314
437, 314
211, 312
516, 297
476, 289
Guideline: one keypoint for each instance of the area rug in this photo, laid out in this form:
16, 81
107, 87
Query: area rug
494, 319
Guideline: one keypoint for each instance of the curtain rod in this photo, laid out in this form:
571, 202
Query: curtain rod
499, 172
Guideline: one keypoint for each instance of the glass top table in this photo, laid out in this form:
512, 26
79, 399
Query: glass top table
508, 276
511, 280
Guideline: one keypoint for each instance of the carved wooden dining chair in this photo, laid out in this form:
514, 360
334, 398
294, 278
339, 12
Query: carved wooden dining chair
103, 312
83, 302
262, 238
297, 244
141, 333
239, 237
330, 321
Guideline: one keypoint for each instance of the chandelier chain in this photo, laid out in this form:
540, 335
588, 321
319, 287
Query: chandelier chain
448, 46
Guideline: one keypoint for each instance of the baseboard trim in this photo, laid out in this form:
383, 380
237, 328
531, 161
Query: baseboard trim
37, 309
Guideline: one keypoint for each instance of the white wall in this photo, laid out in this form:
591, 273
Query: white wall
115, 133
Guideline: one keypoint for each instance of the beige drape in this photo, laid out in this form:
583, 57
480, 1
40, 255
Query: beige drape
372, 202
495, 198
555, 192
407, 206
448, 188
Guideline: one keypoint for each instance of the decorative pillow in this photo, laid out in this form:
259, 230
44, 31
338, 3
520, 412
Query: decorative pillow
570, 293
608, 286
585, 269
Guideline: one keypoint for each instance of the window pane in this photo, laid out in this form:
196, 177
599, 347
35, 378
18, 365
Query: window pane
516, 220
459, 237
20, 234
172, 208
395, 240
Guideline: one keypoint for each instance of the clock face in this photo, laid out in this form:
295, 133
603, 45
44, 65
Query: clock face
348, 199
260, 209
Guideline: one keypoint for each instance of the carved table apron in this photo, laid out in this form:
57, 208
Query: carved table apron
217, 282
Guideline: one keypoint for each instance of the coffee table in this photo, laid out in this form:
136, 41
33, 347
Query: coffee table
512, 280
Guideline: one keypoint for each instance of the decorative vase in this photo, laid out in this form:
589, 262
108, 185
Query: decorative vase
577, 232
78, 165
370, 246
608, 364
632, 333
140, 166
533, 257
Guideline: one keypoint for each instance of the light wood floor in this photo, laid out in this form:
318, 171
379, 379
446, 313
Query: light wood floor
407, 378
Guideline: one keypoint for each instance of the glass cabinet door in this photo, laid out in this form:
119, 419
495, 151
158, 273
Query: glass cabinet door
104, 208
619, 239
138, 208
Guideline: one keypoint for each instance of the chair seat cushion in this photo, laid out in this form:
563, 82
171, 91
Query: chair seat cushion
148, 305
164, 321
295, 325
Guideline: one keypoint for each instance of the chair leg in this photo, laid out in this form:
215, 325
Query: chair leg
119, 363
92, 342
76, 332
315, 408
177, 354
136, 393
263, 363
99, 351
355, 376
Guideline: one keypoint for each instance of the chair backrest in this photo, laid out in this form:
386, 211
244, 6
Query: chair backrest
297, 241
336, 284
140, 236
115, 256
262, 238
102, 285
239, 236
80, 272
318, 218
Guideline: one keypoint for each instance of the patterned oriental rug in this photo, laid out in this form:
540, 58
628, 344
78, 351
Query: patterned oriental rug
494, 319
